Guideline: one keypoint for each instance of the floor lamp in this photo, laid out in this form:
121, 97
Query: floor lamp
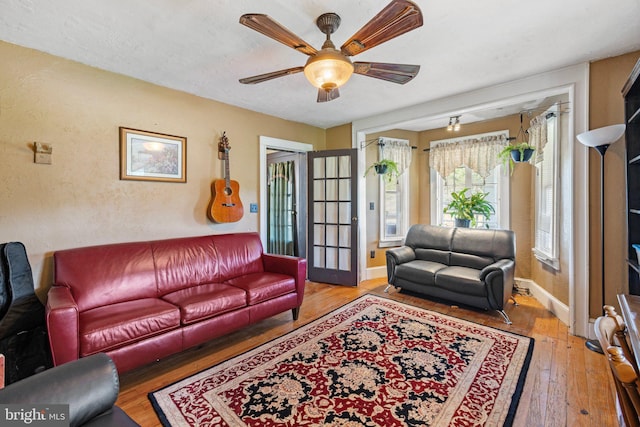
601, 139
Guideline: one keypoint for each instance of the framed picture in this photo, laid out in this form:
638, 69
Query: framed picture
150, 156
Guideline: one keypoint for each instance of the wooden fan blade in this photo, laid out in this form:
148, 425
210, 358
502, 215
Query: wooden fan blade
270, 28
397, 18
273, 75
396, 73
328, 95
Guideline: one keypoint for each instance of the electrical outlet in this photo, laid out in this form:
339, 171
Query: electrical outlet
373, 254
253, 207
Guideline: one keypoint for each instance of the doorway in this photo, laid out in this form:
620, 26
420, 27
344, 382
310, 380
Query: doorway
286, 219
276, 150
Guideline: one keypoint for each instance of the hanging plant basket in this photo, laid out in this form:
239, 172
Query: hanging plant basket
516, 153
387, 168
461, 222
523, 156
381, 169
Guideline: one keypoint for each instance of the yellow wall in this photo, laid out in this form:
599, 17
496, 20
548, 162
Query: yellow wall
79, 200
606, 107
339, 137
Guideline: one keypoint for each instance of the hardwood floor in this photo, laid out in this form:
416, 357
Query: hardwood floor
567, 385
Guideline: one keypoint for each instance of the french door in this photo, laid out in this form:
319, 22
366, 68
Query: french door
332, 256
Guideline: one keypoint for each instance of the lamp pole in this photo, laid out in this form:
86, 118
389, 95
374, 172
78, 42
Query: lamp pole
601, 139
594, 345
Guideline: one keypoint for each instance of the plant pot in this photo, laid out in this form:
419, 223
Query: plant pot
462, 222
380, 169
526, 155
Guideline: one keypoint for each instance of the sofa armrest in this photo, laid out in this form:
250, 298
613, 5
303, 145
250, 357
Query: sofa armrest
395, 257
499, 279
502, 265
61, 313
402, 254
289, 265
89, 386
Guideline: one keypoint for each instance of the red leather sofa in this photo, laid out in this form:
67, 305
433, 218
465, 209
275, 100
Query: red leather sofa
142, 301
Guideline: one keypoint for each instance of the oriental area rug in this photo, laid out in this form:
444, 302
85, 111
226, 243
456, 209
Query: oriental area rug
372, 362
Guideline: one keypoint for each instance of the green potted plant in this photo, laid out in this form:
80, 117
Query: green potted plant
385, 167
464, 208
519, 152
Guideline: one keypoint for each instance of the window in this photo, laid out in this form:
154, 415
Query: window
496, 184
546, 190
394, 195
394, 210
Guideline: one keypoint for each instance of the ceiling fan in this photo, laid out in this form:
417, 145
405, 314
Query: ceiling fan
330, 68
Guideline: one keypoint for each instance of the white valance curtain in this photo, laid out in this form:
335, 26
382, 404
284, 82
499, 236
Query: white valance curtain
397, 150
538, 135
479, 154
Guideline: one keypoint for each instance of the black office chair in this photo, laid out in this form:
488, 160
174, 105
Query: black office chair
89, 385
23, 335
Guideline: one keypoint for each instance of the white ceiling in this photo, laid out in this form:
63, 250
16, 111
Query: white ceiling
199, 47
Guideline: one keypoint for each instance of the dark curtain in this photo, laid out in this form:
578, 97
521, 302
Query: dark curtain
281, 234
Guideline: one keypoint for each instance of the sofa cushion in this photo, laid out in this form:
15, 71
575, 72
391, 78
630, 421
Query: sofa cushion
264, 286
204, 301
117, 325
184, 262
238, 254
419, 271
462, 280
107, 274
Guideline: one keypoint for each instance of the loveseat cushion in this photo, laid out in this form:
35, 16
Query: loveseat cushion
264, 286
462, 280
117, 325
491, 245
419, 271
435, 255
205, 301
430, 237
470, 260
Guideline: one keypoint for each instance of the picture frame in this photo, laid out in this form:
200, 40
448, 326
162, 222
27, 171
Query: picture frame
152, 156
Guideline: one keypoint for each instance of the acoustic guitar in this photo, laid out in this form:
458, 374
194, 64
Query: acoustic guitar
225, 205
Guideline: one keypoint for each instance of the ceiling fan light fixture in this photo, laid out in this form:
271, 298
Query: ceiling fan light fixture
328, 69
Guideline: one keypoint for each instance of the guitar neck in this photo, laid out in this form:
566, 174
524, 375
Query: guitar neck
227, 175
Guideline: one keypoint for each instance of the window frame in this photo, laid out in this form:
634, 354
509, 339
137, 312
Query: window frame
549, 256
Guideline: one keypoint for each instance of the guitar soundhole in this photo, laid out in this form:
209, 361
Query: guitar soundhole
228, 191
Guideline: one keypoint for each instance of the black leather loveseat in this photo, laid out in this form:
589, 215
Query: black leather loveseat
473, 267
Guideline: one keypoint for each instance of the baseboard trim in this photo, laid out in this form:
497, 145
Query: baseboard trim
551, 303
375, 272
